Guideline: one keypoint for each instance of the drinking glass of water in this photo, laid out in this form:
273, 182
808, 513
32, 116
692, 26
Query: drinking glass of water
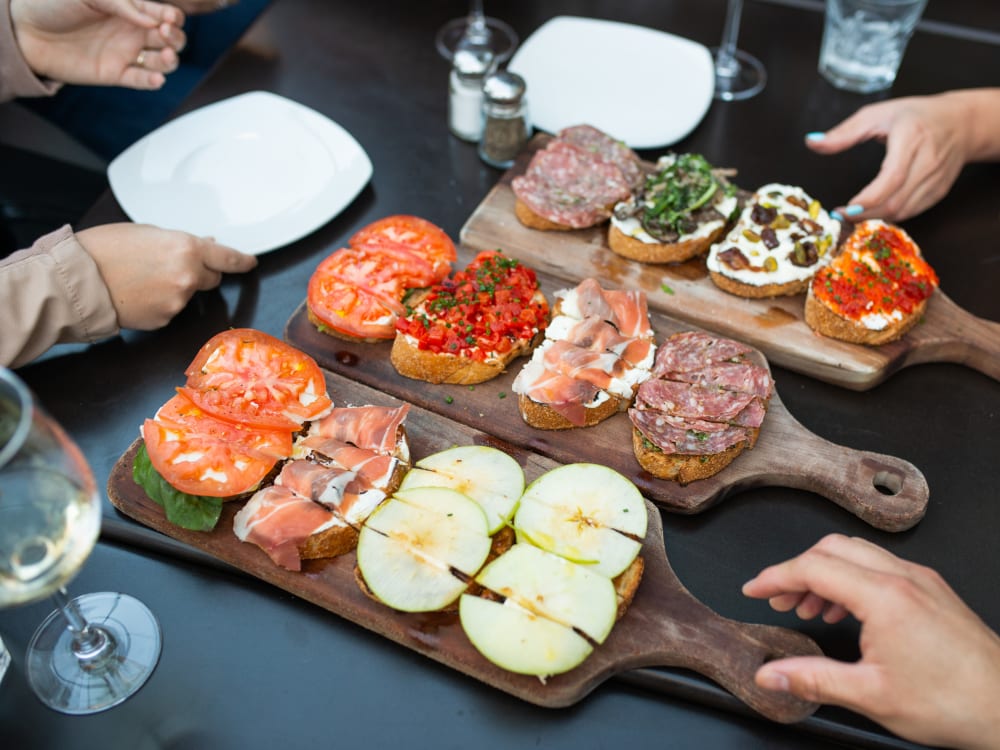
864, 41
97, 649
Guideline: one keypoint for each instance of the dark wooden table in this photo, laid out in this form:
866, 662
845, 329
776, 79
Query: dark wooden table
246, 665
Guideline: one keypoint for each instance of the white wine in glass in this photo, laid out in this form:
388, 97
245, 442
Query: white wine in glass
477, 32
738, 75
98, 649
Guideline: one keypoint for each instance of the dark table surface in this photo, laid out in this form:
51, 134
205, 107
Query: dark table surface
247, 665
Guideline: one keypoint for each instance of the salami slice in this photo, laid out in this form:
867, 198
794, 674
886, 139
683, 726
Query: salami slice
692, 400
602, 144
571, 186
677, 435
693, 350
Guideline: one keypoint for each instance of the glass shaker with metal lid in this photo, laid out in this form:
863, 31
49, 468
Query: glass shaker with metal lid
505, 113
470, 66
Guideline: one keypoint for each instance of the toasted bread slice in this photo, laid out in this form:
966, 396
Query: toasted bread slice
332, 542
823, 320
661, 252
441, 367
533, 221
682, 468
751, 291
627, 583
544, 417
875, 290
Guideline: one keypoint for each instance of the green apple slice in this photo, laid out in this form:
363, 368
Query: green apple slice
553, 614
420, 547
487, 475
539, 582
586, 513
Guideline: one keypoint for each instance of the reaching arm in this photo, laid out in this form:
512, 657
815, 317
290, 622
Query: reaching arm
928, 140
929, 667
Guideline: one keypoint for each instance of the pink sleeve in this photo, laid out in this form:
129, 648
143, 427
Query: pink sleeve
16, 78
51, 293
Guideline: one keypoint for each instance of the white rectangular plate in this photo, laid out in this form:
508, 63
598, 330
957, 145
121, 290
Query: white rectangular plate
645, 87
256, 172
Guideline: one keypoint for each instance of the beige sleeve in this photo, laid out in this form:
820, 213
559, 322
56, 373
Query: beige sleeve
16, 78
51, 293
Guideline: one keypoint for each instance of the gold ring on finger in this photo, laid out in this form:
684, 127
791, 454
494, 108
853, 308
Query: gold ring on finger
140, 59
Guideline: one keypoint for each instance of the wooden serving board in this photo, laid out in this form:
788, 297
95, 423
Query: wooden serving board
886, 492
665, 625
775, 326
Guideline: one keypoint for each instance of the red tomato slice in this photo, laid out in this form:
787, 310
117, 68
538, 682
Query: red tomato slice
249, 377
201, 455
354, 292
418, 235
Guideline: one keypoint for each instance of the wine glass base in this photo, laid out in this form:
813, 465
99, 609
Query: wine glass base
747, 77
502, 38
71, 686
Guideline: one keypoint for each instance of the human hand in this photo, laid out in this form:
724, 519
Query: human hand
151, 273
929, 668
926, 144
130, 43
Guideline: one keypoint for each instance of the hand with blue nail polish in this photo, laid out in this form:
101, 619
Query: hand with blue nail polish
928, 139
929, 667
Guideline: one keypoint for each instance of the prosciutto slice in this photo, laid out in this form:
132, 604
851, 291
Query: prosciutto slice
278, 520
372, 427
325, 485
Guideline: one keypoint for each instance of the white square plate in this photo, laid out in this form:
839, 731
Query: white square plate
256, 172
645, 87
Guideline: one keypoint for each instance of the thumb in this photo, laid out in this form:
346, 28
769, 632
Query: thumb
227, 260
819, 680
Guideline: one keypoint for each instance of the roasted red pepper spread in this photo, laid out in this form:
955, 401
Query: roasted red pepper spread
878, 272
481, 312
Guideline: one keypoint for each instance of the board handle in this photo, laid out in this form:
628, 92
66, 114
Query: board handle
957, 336
730, 653
887, 492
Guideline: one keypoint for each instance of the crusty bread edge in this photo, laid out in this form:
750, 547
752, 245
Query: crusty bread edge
685, 468
532, 220
544, 417
661, 252
752, 291
825, 321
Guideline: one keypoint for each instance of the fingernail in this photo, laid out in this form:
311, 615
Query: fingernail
835, 215
771, 679
854, 209
815, 136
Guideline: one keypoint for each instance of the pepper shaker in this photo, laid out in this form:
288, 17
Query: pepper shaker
465, 92
505, 112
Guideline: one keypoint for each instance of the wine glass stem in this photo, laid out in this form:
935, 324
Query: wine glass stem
92, 645
477, 29
726, 64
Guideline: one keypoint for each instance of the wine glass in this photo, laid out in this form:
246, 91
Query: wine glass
737, 74
97, 649
477, 32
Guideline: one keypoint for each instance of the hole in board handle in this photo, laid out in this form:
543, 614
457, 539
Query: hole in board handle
888, 483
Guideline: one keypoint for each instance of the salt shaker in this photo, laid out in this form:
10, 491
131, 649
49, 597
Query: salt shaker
465, 92
505, 112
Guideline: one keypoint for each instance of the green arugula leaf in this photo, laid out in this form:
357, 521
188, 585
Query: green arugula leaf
194, 512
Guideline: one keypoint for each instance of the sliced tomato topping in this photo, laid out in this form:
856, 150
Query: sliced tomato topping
355, 293
201, 455
246, 376
412, 233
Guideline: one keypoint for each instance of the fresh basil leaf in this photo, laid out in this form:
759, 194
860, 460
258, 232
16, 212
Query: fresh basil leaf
194, 512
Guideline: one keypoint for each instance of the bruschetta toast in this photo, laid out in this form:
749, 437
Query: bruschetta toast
779, 242
469, 327
597, 350
875, 290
